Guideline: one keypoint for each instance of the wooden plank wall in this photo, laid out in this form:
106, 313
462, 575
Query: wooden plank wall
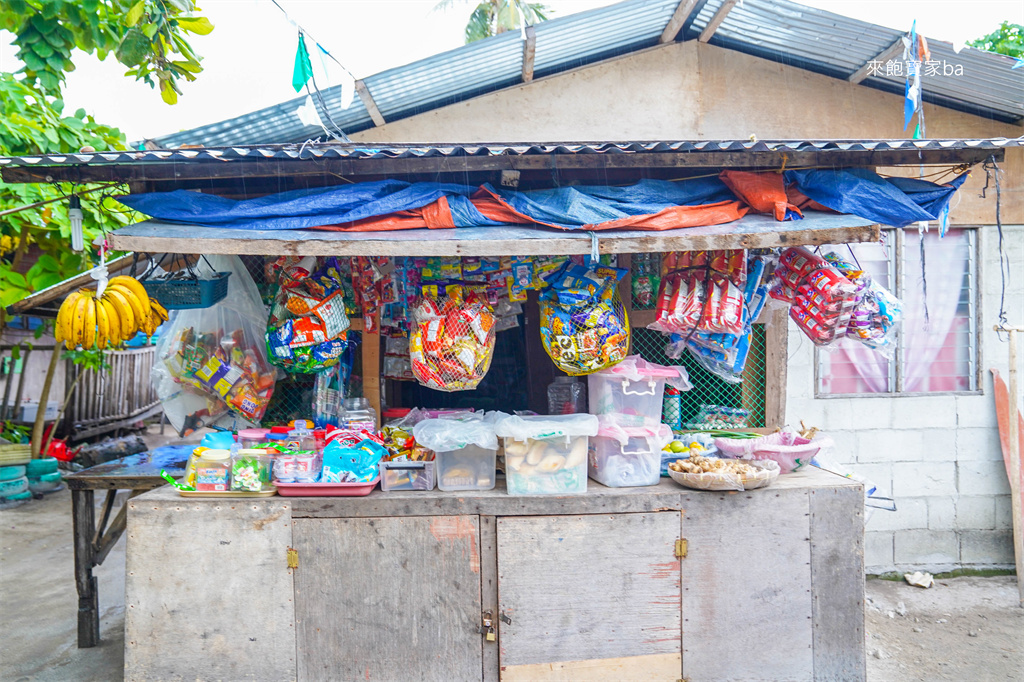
208, 592
585, 591
837, 581
388, 599
747, 586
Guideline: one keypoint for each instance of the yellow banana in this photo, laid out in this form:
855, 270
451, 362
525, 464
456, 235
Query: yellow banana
78, 321
140, 311
126, 317
134, 286
65, 315
89, 323
102, 325
158, 309
113, 321
149, 326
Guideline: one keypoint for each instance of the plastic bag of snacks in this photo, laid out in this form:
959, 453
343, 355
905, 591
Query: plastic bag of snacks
452, 340
308, 326
213, 366
583, 324
874, 319
822, 298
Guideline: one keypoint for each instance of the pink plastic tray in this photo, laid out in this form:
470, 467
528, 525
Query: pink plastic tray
325, 489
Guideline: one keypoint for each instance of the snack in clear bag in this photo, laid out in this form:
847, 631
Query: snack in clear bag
584, 326
212, 366
307, 330
874, 318
452, 339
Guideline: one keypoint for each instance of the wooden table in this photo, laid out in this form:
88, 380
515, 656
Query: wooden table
136, 473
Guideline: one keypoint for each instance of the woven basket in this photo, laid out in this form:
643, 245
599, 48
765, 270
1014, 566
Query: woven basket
16, 453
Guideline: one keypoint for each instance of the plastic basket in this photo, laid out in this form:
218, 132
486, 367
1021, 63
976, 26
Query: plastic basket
185, 294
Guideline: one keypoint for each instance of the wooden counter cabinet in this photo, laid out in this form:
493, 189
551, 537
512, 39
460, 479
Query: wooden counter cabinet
658, 583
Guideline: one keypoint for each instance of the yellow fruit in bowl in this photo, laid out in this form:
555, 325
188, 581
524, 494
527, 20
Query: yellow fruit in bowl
677, 446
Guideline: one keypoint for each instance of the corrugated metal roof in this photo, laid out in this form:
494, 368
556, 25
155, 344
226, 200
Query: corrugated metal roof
778, 30
400, 151
838, 46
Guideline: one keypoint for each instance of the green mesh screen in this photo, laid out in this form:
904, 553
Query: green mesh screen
708, 389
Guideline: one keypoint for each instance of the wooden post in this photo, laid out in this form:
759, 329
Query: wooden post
83, 515
1014, 470
371, 368
37, 427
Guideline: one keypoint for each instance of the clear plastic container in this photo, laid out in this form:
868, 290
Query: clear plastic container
545, 454
567, 395
633, 387
399, 475
546, 466
250, 470
617, 465
252, 438
359, 415
213, 471
468, 468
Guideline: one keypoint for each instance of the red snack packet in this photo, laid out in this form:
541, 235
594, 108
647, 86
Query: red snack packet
801, 261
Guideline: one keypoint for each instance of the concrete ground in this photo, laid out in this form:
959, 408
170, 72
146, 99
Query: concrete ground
960, 629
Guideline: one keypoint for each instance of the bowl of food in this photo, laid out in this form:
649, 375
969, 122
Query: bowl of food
714, 473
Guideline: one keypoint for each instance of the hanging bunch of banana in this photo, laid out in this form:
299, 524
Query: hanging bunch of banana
124, 309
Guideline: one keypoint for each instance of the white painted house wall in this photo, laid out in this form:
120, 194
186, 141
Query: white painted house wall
938, 455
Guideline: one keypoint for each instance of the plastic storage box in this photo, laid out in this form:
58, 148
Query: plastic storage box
465, 450
469, 468
400, 475
546, 455
634, 387
627, 456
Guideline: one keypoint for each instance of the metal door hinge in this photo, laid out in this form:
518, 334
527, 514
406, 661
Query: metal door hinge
293, 558
682, 547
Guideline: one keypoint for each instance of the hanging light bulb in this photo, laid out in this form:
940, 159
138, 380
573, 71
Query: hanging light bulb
75, 216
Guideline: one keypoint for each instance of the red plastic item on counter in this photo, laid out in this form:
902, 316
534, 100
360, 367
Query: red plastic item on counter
326, 489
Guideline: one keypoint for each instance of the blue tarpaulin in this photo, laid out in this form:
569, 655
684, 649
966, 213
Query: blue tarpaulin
861, 192
894, 201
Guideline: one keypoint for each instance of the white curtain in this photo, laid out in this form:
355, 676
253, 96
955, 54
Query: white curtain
923, 338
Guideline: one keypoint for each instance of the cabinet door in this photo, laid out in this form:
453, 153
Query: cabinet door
593, 597
388, 598
746, 587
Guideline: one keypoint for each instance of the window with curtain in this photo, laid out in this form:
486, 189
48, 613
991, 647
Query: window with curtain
936, 278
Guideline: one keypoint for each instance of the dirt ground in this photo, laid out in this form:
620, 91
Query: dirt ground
964, 629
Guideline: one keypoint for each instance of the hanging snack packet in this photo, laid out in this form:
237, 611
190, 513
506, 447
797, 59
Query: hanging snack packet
452, 339
583, 324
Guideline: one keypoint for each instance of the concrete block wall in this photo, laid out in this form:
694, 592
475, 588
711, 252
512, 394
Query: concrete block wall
938, 456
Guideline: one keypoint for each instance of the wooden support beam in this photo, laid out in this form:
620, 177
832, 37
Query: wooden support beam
717, 20
529, 50
371, 106
679, 17
160, 175
882, 57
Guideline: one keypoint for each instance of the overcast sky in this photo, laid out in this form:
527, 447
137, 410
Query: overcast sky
248, 58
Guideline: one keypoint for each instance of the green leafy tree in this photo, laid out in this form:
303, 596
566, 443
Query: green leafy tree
146, 35
149, 36
1008, 39
491, 17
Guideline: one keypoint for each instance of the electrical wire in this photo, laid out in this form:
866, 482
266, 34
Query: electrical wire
992, 170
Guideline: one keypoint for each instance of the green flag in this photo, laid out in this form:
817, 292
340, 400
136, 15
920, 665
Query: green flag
303, 69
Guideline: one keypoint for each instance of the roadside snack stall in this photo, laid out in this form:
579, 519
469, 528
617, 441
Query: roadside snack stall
502, 411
